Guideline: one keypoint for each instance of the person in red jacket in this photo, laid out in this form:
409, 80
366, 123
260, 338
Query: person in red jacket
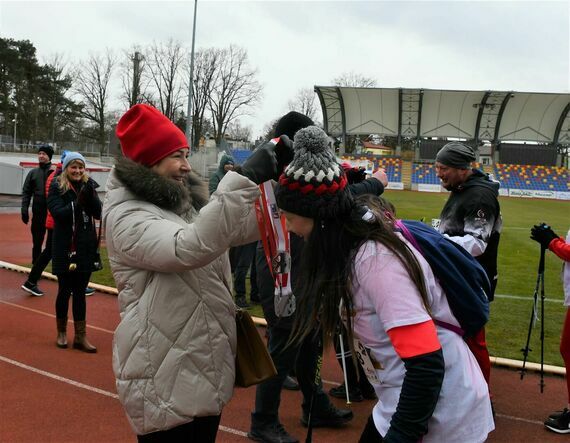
559, 421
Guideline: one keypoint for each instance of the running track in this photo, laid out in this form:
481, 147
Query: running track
53, 395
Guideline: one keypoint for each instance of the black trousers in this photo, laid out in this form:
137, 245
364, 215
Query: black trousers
38, 233
42, 261
200, 430
242, 259
72, 284
304, 358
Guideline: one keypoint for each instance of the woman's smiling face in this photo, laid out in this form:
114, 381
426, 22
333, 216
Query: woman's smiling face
75, 170
174, 166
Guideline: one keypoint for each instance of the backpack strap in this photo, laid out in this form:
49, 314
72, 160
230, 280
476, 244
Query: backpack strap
450, 327
408, 235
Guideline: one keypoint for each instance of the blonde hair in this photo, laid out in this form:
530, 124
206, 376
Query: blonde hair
63, 180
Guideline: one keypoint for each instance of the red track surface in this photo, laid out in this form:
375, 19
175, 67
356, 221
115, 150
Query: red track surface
53, 395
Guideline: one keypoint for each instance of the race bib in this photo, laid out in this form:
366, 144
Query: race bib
369, 367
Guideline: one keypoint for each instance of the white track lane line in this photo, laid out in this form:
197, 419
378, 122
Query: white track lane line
90, 388
36, 311
58, 377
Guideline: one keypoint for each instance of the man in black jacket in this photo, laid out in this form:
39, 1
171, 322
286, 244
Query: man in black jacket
34, 192
471, 218
265, 424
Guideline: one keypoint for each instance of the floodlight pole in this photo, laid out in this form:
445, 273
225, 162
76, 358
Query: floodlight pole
189, 111
15, 125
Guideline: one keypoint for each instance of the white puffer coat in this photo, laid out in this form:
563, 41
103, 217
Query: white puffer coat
174, 349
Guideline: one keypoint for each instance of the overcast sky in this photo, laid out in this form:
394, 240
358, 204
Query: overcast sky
510, 45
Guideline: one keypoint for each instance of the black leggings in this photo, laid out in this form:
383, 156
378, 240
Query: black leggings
200, 430
72, 284
38, 233
42, 261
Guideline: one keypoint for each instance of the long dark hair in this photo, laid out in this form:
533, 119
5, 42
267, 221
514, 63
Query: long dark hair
327, 266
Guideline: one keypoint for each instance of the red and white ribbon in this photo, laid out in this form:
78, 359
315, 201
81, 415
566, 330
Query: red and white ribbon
276, 245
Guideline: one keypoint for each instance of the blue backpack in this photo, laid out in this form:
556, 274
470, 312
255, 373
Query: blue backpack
462, 278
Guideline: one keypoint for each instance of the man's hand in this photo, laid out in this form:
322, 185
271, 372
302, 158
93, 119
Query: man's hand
268, 161
25, 216
381, 176
542, 234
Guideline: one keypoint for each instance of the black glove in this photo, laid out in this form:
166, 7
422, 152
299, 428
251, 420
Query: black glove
284, 152
542, 234
25, 216
355, 175
268, 161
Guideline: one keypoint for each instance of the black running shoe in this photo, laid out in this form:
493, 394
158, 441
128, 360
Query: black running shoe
32, 289
560, 423
354, 394
273, 433
333, 417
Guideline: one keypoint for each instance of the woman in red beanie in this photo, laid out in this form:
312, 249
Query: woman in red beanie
174, 349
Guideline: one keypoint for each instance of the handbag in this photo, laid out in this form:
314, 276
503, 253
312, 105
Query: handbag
253, 362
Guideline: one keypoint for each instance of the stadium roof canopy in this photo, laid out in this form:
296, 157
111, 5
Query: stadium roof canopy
493, 116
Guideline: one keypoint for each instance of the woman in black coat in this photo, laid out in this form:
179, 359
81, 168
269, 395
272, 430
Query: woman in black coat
74, 204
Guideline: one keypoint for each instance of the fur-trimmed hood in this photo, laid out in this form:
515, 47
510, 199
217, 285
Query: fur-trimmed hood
160, 191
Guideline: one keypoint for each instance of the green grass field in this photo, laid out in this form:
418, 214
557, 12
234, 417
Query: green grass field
518, 263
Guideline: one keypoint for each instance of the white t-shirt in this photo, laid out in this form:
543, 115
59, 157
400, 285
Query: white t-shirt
385, 297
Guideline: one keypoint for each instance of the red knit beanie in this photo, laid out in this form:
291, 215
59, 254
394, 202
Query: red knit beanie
148, 136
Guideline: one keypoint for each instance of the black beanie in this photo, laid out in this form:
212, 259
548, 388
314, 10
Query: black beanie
314, 183
47, 149
456, 155
290, 123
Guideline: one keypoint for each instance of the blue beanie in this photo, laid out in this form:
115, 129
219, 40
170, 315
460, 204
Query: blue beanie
72, 156
63, 155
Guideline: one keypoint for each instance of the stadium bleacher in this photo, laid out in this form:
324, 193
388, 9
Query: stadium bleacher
533, 177
392, 165
424, 173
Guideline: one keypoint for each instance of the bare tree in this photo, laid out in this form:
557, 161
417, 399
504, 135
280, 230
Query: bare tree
205, 75
134, 81
236, 90
236, 131
269, 129
92, 87
304, 102
354, 80
165, 62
